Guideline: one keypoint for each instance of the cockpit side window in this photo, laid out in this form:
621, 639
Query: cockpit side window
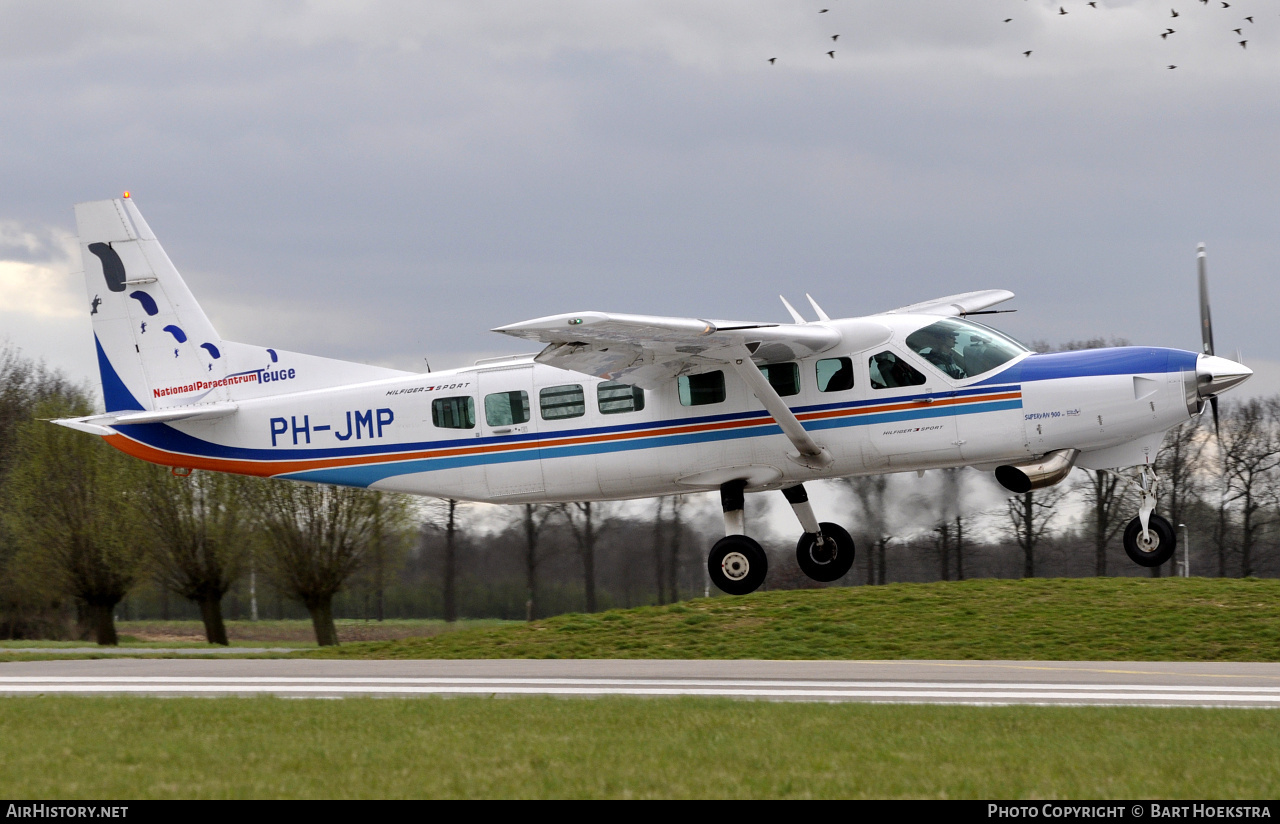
888, 371
962, 349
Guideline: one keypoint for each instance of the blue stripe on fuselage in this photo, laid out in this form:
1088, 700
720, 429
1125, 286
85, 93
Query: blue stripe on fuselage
1087, 363
366, 474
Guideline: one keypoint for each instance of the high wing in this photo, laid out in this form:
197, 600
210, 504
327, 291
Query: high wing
648, 351
952, 305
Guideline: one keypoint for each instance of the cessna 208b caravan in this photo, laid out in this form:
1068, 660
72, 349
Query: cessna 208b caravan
629, 406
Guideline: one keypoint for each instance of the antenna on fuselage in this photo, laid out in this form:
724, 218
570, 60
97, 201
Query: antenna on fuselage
794, 314
821, 314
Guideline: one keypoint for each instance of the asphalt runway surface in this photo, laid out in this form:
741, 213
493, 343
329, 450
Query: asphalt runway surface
916, 682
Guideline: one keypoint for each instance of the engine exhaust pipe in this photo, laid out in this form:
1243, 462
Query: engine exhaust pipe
1046, 471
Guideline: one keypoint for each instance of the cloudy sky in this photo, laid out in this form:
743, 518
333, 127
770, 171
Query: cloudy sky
385, 181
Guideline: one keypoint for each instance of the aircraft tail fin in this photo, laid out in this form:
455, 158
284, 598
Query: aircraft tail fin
156, 347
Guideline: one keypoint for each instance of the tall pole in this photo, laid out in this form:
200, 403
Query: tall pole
253, 591
1186, 551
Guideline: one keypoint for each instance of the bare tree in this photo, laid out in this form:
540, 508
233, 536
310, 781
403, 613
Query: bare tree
451, 562
1029, 517
660, 578
1179, 466
202, 536
68, 505
29, 604
535, 518
674, 545
1251, 456
318, 536
585, 521
1108, 497
869, 491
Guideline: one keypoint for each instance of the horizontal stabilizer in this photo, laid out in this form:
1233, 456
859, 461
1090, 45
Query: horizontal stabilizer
954, 305
204, 412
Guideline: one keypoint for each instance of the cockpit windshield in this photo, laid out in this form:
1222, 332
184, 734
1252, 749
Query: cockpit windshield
960, 348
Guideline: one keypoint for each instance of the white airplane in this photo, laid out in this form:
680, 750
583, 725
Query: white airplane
630, 406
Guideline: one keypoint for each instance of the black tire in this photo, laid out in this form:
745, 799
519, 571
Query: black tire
737, 565
829, 562
1163, 542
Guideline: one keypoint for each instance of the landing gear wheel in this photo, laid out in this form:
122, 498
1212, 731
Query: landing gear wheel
830, 561
1154, 551
737, 564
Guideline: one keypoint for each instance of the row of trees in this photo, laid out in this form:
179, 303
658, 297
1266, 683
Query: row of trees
83, 524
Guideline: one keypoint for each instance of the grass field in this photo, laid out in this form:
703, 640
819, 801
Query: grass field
1078, 619
120, 748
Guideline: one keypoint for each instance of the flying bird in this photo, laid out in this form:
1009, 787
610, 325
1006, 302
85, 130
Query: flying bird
773, 60
1026, 54
1174, 12
824, 11
832, 55
1250, 19
1244, 44
1173, 67
1095, 5
835, 37
1008, 19
1165, 35
1061, 10
1237, 31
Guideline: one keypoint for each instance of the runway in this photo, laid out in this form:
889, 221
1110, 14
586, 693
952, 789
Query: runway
914, 682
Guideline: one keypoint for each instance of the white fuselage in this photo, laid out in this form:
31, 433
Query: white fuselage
1113, 405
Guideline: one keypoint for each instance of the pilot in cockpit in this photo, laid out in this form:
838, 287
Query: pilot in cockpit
941, 352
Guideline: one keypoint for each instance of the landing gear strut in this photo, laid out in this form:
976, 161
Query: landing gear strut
737, 564
1149, 540
825, 550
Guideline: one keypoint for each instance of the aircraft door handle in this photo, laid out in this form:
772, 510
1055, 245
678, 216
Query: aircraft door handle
501, 430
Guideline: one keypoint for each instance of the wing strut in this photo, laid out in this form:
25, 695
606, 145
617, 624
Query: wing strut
811, 454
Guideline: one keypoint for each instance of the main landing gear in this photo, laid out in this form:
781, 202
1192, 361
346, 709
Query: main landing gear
1149, 540
738, 564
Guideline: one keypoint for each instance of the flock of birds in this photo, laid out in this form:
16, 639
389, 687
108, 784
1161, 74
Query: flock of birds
1223, 5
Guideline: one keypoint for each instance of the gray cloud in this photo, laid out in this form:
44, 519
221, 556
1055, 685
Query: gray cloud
384, 181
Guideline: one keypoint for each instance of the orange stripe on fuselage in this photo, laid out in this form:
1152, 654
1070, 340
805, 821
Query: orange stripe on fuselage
283, 465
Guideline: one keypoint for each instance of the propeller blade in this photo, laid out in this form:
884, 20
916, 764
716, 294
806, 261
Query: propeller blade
1206, 324
1217, 428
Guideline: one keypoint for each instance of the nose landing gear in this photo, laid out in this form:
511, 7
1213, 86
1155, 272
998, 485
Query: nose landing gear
1149, 540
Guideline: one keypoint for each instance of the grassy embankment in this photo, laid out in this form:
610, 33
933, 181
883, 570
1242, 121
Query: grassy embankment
136, 748
1170, 619
148, 635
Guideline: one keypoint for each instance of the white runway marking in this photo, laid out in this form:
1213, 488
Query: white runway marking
983, 693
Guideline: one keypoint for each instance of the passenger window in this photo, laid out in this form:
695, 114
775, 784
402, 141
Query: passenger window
506, 408
888, 371
454, 413
783, 377
835, 374
699, 390
562, 402
614, 397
